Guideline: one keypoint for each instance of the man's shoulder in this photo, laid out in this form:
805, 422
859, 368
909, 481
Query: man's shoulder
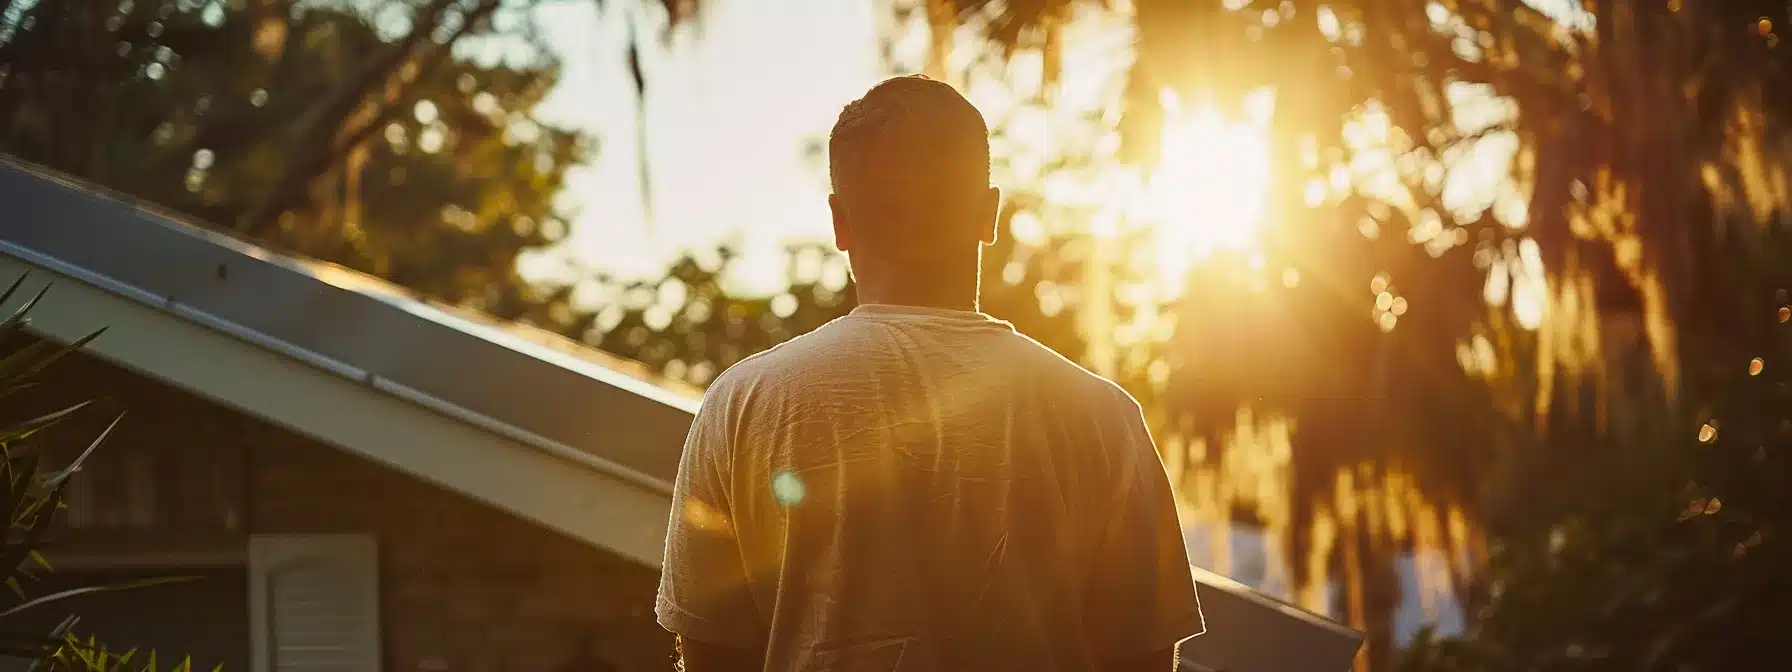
830, 351
783, 361
1071, 376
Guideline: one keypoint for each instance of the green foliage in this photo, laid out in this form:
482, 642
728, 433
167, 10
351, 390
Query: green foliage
685, 324
1682, 567
688, 326
1644, 130
364, 134
33, 496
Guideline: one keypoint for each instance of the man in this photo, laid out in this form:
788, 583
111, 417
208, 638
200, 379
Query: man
915, 486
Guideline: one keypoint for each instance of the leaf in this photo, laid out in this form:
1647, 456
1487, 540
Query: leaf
16, 387
66, 626
19, 481
15, 552
37, 506
14, 287
73, 592
39, 423
33, 358
29, 645
42, 561
18, 319
60, 633
58, 478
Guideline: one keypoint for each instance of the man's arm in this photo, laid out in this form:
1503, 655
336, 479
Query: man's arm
695, 656
1141, 597
705, 594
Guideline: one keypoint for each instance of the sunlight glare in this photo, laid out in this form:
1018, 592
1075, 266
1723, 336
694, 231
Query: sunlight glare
1209, 189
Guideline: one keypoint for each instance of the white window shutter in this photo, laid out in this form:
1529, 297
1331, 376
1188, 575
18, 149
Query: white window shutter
315, 603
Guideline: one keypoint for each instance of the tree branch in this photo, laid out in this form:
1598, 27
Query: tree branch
336, 141
290, 104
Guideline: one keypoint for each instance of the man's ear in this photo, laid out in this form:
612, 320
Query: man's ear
990, 210
842, 224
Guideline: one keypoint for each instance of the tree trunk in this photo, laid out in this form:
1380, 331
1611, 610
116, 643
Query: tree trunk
942, 19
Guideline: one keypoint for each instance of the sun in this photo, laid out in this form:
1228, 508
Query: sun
1209, 189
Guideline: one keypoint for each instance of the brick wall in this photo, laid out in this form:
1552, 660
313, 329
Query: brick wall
464, 587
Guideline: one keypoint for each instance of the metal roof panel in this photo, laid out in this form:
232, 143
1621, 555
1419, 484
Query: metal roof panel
531, 379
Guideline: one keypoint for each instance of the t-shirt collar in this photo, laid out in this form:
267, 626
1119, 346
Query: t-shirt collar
890, 309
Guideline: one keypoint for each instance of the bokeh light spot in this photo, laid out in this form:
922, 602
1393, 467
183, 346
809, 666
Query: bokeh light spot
784, 305
787, 488
706, 518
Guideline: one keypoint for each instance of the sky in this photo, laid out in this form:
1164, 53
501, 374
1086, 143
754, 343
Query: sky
731, 103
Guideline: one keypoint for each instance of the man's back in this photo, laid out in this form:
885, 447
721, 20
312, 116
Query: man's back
924, 489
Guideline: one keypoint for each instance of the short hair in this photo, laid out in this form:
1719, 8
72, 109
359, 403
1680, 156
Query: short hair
908, 159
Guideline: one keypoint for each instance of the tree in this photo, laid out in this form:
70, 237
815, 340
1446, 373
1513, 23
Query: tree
1534, 325
686, 326
1680, 567
384, 136
1612, 112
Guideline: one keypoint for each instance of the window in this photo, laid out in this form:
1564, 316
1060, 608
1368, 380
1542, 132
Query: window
314, 603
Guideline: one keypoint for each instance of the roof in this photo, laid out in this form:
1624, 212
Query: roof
535, 380
528, 386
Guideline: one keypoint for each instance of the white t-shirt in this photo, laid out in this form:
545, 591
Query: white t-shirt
912, 489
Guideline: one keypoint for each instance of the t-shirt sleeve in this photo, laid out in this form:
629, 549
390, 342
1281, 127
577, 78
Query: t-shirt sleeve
1142, 593
704, 594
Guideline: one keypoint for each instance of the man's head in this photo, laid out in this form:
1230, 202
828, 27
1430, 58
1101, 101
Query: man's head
910, 168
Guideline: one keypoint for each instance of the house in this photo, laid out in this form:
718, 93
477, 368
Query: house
359, 479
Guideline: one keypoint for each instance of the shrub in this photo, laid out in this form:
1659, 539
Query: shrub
34, 494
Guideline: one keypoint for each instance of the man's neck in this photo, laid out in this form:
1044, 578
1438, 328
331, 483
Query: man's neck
952, 287
964, 300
